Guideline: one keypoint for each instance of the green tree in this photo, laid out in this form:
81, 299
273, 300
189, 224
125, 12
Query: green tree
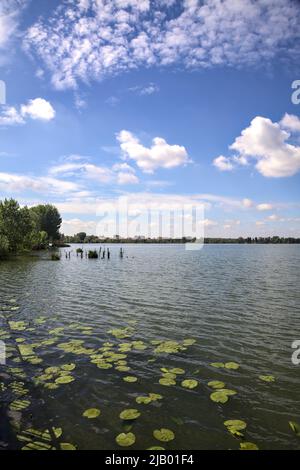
47, 219
81, 236
15, 225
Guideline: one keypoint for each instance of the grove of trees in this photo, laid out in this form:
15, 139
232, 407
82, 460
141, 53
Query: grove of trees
23, 229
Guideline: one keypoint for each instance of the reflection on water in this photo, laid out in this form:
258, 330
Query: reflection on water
96, 322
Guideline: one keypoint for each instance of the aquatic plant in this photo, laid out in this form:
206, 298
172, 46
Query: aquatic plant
93, 254
130, 414
91, 413
125, 439
55, 257
164, 435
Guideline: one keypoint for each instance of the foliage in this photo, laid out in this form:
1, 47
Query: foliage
4, 246
23, 229
93, 254
16, 225
47, 219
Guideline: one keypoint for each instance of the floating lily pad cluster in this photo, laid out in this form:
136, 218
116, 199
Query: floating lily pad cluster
171, 347
151, 397
226, 365
55, 376
34, 439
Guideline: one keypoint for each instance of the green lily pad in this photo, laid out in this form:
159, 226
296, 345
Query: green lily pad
68, 367
267, 378
155, 396
123, 368
189, 383
235, 426
232, 365
217, 365
177, 371
188, 342
167, 382
216, 384
130, 379
143, 400
52, 370
164, 435
67, 446
104, 365
221, 396
18, 405
91, 413
65, 379
248, 446
125, 439
130, 414
156, 448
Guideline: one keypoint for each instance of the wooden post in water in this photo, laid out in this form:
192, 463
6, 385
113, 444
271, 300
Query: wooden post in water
108, 253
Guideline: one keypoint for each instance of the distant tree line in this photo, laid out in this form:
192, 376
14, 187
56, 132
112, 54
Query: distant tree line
83, 238
24, 229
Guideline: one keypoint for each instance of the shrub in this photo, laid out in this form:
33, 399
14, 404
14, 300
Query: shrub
93, 254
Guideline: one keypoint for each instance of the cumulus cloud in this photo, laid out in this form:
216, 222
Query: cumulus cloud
290, 122
36, 109
268, 144
92, 39
223, 163
159, 155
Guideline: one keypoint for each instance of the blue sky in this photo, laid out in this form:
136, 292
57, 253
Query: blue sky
164, 101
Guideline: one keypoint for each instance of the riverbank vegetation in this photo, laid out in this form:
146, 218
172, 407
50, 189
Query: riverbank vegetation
24, 229
90, 239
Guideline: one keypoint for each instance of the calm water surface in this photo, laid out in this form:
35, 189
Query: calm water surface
240, 303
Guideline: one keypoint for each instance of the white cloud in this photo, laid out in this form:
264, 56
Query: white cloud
159, 155
247, 203
223, 163
92, 39
10, 116
10, 11
10, 182
273, 217
266, 143
72, 226
121, 174
290, 122
37, 109
264, 207
127, 178
146, 89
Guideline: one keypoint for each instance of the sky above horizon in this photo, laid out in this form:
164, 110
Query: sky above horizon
166, 102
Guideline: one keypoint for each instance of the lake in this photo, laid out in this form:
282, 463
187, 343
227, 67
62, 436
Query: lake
160, 316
